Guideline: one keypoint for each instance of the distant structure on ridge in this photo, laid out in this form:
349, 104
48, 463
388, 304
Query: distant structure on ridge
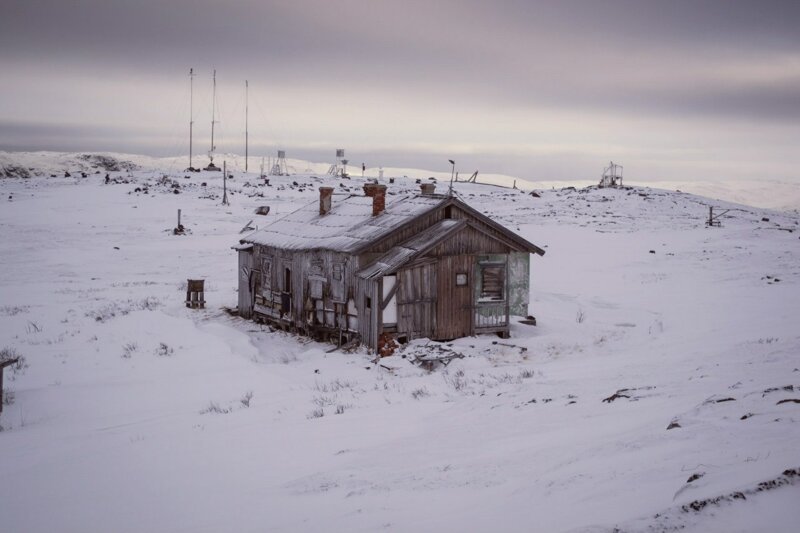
612, 176
279, 166
339, 167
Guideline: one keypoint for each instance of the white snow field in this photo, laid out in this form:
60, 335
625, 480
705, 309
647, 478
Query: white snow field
132, 414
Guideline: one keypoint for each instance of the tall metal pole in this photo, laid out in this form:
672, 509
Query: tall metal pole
191, 112
213, 115
224, 183
452, 175
246, 106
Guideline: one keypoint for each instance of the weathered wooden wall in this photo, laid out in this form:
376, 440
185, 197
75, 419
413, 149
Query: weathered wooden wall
326, 294
245, 279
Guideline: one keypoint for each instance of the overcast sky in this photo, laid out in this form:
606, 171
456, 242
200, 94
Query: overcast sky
671, 89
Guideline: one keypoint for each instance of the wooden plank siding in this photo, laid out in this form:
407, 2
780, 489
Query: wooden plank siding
246, 283
469, 241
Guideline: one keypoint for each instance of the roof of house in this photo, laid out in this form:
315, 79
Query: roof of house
350, 226
412, 248
346, 228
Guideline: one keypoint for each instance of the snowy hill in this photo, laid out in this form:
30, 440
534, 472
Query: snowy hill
771, 194
660, 389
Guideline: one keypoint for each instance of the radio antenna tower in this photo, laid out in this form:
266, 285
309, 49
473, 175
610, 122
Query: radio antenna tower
279, 167
211, 165
337, 170
246, 132
191, 116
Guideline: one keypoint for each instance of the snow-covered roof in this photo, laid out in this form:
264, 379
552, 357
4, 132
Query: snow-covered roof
401, 254
346, 228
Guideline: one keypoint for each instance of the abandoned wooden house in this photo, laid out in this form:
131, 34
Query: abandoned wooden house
366, 267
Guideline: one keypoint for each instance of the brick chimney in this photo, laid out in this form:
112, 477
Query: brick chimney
369, 188
378, 199
325, 194
427, 188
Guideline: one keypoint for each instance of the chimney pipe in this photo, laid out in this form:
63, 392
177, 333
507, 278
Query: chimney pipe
378, 199
325, 194
427, 188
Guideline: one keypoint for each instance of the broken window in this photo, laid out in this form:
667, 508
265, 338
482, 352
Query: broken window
461, 279
493, 282
287, 279
337, 271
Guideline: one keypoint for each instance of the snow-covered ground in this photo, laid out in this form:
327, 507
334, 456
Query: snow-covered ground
135, 413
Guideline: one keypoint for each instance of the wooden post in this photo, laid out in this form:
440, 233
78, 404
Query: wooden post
179, 218
4, 364
224, 183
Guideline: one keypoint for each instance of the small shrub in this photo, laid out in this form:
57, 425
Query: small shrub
8, 397
17, 368
527, 373
322, 401
113, 309
420, 393
340, 408
128, 349
334, 386
245, 400
316, 413
164, 350
33, 327
458, 381
580, 316
213, 407
12, 310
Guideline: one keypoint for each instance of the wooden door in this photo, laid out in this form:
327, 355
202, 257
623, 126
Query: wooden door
454, 306
416, 301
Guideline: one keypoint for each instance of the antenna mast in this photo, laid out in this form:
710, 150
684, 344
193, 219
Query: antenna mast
211, 165
246, 105
213, 117
191, 114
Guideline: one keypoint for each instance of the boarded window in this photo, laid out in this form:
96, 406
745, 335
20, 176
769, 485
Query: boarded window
316, 288
492, 282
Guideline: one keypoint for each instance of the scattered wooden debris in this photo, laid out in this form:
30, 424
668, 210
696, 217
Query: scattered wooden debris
522, 349
788, 388
247, 227
616, 395
788, 478
788, 400
626, 393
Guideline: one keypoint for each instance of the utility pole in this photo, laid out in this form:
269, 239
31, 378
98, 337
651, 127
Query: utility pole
246, 109
452, 175
191, 113
213, 116
225, 183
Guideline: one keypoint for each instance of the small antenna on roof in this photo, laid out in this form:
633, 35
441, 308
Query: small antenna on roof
452, 175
